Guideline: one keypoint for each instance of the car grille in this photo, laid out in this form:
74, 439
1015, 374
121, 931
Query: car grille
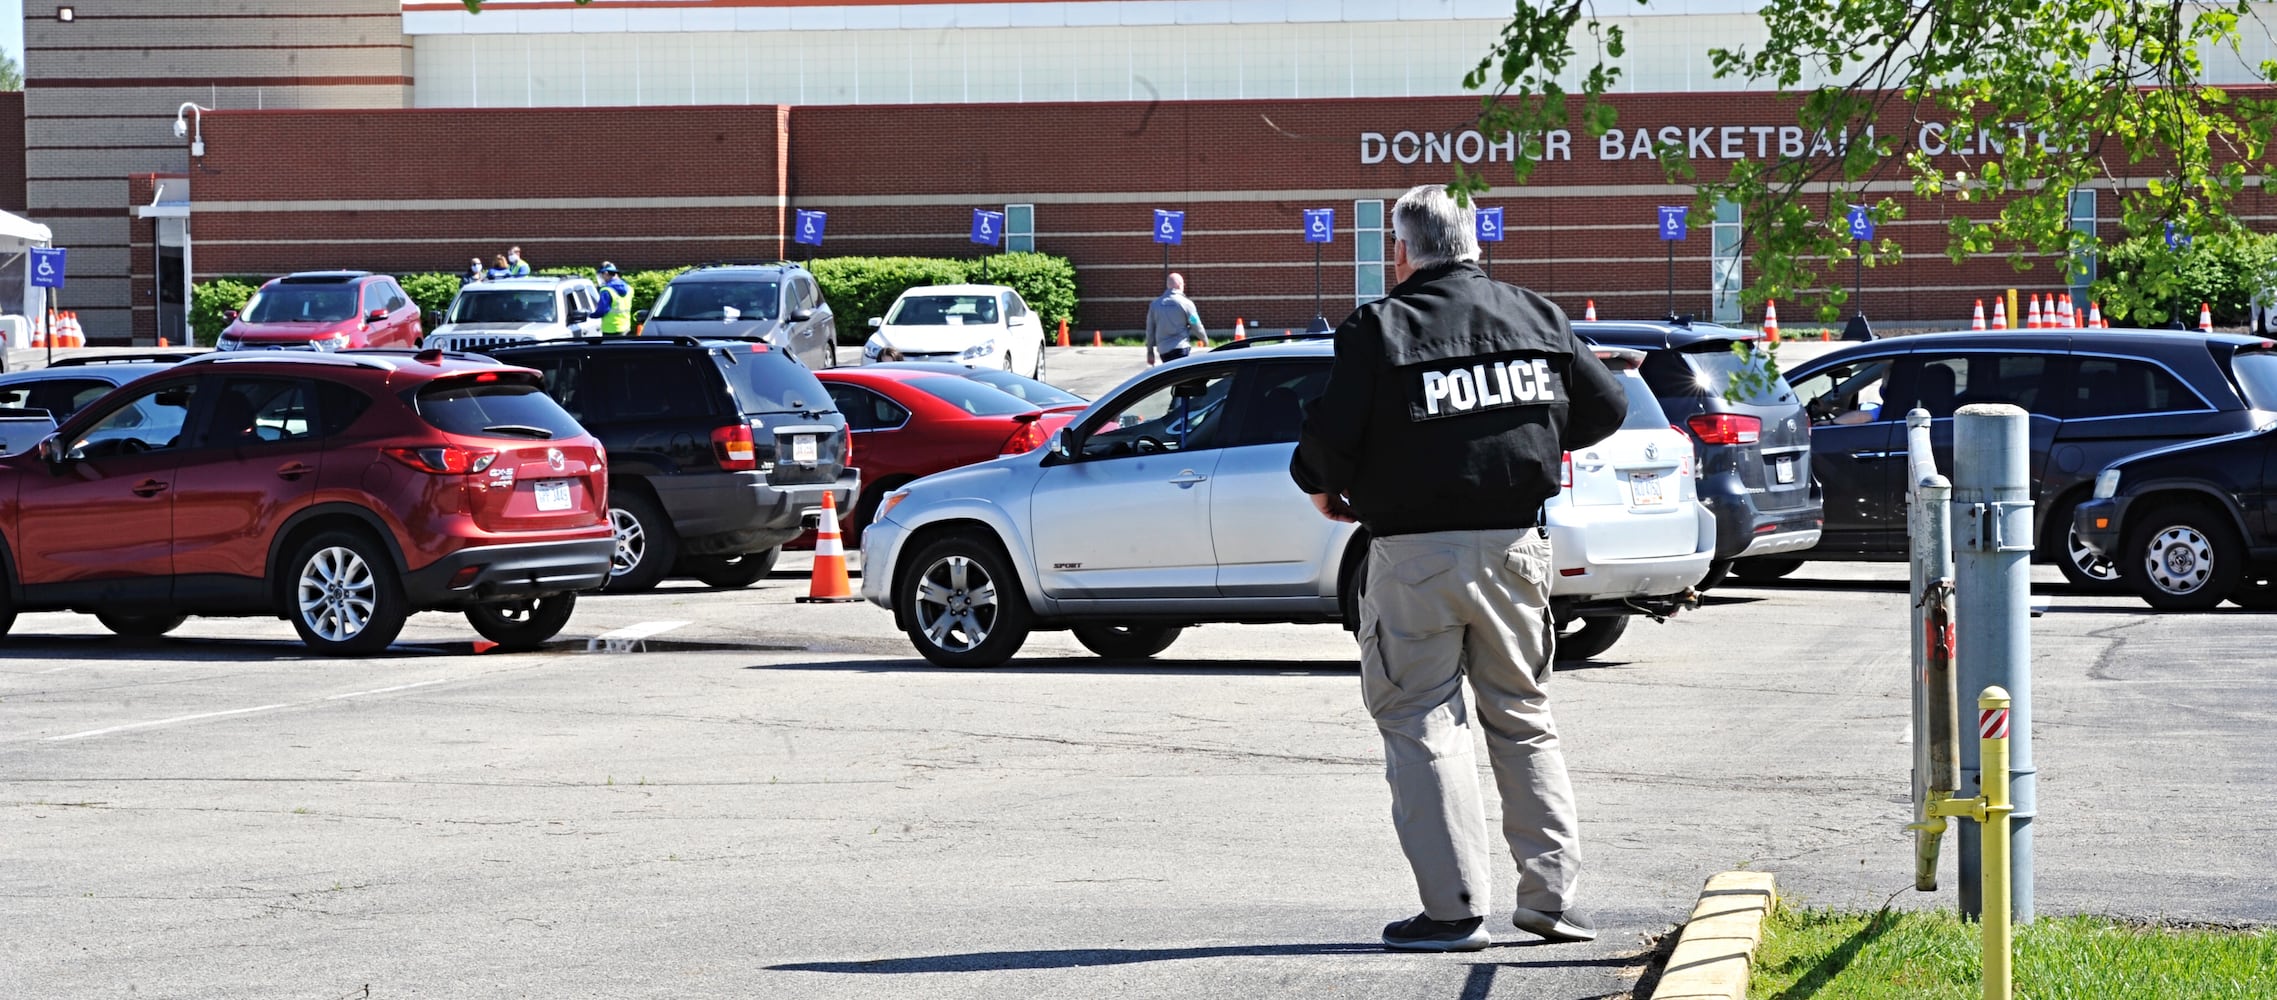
477, 341
923, 356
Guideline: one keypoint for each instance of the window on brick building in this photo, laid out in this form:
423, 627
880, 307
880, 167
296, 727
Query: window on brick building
2079, 272
1367, 250
1019, 228
1724, 276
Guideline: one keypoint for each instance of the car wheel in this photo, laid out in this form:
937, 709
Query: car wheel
7, 608
1717, 571
733, 572
140, 626
646, 544
345, 597
962, 604
524, 624
1593, 636
1037, 372
2185, 558
2080, 565
1126, 642
1760, 568
2255, 593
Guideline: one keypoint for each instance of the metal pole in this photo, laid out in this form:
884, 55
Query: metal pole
1992, 536
1317, 312
1995, 719
1858, 305
1671, 278
1935, 743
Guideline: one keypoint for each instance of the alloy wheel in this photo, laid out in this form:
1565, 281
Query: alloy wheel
2099, 569
337, 593
956, 604
2179, 559
632, 541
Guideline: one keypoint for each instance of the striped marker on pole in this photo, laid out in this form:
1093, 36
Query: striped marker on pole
1992, 724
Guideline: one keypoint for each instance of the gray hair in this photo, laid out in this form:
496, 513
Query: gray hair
1436, 229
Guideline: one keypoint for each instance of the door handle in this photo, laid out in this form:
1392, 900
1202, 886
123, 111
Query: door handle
148, 488
1877, 454
1187, 477
294, 470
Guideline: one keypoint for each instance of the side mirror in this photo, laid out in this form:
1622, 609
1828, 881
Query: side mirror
376, 316
801, 315
876, 322
640, 316
48, 449
229, 314
435, 318
1061, 449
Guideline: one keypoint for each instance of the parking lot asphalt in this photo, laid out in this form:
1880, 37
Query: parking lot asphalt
781, 800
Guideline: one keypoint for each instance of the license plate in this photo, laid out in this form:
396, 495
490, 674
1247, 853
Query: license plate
1786, 470
553, 494
803, 448
1644, 488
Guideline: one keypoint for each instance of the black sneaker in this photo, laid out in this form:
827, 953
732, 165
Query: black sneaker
1421, 933
1554, 925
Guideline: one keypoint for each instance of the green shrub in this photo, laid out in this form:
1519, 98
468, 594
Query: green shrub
862, 288
2142, 283
211, 297
432, 292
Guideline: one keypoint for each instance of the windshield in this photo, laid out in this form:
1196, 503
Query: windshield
718, 300
302, 304
770, 382
943, 310
1712, 365
2257, 376
1038, 394
504, 305
970, 396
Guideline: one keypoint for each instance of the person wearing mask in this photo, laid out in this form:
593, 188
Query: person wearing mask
515, 265
1172, 323
474, 269
1442, 427
615, 308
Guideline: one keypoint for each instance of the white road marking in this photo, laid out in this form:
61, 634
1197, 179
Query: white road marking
624, 639
244, 711
385, 690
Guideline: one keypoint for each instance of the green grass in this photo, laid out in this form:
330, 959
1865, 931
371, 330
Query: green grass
1893, 955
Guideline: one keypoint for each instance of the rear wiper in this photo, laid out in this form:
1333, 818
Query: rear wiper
524, 430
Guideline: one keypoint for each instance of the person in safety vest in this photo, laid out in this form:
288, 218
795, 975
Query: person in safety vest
615, 310
515, 265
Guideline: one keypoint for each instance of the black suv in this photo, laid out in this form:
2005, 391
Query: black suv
779, 303
2192, 524
2095, 396
1755, 449
720, 449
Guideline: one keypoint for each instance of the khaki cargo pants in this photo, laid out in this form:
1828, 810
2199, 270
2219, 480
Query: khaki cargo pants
1440, 607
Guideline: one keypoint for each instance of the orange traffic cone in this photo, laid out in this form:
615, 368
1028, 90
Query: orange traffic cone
2095, 315
1063, 333
1240, 329
1976, 322
1999, 313
829, 585
2032, 318
1589, 314
2071, 314
1096, 341
1771, 320
2206, 317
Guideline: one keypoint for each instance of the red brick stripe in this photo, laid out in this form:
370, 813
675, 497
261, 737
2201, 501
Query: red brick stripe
62, 83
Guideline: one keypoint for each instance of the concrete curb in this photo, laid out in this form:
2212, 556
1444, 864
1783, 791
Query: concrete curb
1717, 947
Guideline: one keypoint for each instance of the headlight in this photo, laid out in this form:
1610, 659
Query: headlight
887, 505
336, 342
2107, 484
227, 343
979, 350
871, 348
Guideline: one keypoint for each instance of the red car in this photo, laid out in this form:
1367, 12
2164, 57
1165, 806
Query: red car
326, 311
914, 419
341, 492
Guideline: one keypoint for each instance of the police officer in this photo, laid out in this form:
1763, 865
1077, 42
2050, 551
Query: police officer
615, 308
1441, 430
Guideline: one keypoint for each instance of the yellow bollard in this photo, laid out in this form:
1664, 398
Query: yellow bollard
1992, 729
2015, 316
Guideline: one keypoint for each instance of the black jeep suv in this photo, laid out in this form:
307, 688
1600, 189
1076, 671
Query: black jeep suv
720, 450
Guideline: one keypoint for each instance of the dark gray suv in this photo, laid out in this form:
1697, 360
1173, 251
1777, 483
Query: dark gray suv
778, 303
1754, 443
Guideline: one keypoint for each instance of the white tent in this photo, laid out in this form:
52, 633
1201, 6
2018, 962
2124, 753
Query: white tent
18, 233
18, 296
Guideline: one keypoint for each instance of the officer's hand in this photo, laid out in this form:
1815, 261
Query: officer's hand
1332, 507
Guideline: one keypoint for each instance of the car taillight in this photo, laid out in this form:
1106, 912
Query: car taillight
1565, 471
1726, 428
734, 448
1028, 437
846, 449
449, 460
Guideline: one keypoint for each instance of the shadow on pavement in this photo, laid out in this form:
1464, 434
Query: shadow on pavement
111, 647
1088, 665
1481, 975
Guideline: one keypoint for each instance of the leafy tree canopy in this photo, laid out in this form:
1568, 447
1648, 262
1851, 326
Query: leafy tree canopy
2072, 92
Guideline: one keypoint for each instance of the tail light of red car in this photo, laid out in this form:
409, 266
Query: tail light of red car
1565, 471
1028, 436
448, 460
735, 449
1726, 428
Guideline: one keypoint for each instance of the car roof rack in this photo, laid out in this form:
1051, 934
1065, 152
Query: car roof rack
298, 357
748, 263
651, 339
1301, 336
156, 358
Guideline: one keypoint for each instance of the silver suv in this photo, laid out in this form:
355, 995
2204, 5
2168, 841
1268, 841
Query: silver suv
1168, 504
777, 303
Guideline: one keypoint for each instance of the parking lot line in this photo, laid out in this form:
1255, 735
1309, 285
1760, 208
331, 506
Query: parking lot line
242, 711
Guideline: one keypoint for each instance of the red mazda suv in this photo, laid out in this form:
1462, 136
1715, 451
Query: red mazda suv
324, 311
341, 492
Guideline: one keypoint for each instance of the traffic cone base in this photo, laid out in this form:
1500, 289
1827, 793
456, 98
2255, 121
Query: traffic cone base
829, 584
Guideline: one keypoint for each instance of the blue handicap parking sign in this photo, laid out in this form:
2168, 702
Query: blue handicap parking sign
1490, 225
1169, 226
987, 226
2176, 239
1320, 225
47, 266
1861, 224
1672, 221
810, 226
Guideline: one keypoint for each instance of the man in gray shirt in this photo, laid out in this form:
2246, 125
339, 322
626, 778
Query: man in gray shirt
1167, 323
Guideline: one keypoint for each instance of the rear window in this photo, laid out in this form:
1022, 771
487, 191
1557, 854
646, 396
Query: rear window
769, 382
1706, 369
2257, 376
970, 396
494, 409
1644, 410
1039, 394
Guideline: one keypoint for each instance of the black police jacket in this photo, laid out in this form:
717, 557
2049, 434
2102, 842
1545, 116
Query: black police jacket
1451, 405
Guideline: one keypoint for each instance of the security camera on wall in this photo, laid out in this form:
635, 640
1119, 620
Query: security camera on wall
181, 129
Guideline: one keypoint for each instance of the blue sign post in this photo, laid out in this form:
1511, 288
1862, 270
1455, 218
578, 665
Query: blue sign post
1672, 227
987, 229
1862, 230
47, 266
1169, 226
1320, 227
810, 226
1487, 226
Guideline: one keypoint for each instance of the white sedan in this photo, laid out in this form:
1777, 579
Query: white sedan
978, 326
